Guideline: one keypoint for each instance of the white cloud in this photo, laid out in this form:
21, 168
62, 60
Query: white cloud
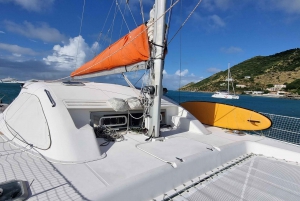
31, 5
215, 21
182, 73
64, 57
213, 70
15, 49
175, 81
42, 31
95, 47
231, 50
2, 32
165, 72
291, 6
210, 22
217, 4
17, 55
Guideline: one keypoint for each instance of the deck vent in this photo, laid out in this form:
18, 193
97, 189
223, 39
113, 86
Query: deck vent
113, 120
69, 83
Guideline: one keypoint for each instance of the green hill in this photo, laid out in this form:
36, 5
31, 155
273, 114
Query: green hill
257, 73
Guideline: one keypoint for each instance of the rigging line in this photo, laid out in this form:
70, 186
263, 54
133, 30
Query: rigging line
122, 24
111, 29
150, 24
142, 11
180, 55
100, 34
232, 84
131, 13
169, 20
140, 78
79, 31
122, 15
185, 21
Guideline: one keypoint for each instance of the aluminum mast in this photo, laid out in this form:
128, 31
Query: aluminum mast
157, 71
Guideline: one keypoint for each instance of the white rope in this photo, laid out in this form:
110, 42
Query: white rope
100, 34
122, 23
130, 84
131, 13
122, 15
142, 11
135, 117
80, 31
173, 164
98, 39
169, 21
111, 29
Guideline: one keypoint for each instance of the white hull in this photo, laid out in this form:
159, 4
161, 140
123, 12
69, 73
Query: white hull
225, 96
13, 82
10, 81
66, 161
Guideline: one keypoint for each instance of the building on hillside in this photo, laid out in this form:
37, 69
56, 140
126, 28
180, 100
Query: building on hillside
280, 86
222, 84
277, 87
257, 92
240, 86
247, 77
248, 92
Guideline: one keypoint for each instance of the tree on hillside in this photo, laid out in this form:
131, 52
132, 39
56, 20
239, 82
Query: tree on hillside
294, 86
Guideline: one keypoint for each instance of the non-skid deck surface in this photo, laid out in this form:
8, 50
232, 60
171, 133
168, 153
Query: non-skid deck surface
259, 178
44, 180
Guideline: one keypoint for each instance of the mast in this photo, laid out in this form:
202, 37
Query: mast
228, 78
157, 71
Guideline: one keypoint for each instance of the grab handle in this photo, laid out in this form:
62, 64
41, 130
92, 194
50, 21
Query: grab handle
50, 98
253, 121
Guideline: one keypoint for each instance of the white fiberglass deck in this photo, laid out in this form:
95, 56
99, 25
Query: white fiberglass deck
134, 164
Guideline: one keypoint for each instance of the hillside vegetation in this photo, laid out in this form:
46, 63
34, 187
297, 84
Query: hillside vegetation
262, 72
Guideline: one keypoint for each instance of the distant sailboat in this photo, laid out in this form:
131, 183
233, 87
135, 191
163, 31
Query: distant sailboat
226, 94
10, 80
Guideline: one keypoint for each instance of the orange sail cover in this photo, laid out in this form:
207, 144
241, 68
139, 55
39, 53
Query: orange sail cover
130, 49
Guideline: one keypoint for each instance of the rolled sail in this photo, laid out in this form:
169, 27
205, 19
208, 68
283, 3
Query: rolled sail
127, 54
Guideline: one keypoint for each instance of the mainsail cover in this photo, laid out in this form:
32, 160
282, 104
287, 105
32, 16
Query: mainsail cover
131, 49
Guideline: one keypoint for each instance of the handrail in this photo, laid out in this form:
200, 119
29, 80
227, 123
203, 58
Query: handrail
50, 98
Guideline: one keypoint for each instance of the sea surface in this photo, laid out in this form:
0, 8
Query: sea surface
8, 92
279, 106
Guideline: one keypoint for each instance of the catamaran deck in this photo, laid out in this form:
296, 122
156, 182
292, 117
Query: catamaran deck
256, 178
147, 167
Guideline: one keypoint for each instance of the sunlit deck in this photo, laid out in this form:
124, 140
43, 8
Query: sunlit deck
147, 167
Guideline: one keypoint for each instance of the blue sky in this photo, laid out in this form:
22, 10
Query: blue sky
39, 39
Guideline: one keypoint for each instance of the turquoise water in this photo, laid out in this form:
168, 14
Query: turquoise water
9, 91
278, 106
